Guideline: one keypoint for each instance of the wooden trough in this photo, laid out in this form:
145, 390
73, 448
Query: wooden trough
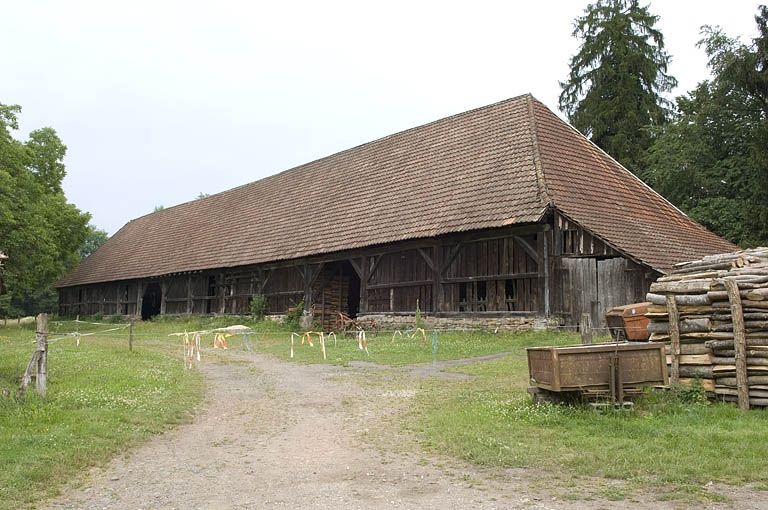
612, 371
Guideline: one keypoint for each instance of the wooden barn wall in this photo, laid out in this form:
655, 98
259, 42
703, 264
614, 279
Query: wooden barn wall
399, 279
556, 268
107, 299
500, 272
284, 289
591, 277
497, 275
572, 240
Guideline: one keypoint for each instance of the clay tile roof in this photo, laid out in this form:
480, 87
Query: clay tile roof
502, 164
594, 190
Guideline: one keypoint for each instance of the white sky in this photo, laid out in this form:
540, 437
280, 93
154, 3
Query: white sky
159, 101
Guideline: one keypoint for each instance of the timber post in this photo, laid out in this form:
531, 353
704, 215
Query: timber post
130, 337
674, 337
140, 299
163, 296
221, 293
365, 265
438, 291
586, 329
41, 337
189, 294
39, 361
739, 344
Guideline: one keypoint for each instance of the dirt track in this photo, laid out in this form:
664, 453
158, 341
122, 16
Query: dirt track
284, 435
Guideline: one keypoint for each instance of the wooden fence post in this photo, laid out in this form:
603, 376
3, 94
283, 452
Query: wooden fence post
39, 361
130, 337
586, 329
42, 345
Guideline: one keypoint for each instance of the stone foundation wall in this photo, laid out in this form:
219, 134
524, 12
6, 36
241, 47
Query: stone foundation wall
401, 322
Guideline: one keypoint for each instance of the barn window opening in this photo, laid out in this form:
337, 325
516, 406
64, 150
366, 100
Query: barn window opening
211, 294
509, 294
462, 297
482, 296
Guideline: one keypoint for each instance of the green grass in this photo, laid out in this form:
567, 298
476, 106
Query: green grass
402, 350
672, 442
101, 399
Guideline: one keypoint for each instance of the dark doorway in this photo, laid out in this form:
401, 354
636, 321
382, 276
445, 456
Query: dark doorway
150, 305
353, 292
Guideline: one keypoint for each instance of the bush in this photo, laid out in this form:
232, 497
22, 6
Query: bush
293, 319
258, 306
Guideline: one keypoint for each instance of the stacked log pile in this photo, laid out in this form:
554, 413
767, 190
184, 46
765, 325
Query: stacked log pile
713, 315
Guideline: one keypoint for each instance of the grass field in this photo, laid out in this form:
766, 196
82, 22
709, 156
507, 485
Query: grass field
103, 399
674, 442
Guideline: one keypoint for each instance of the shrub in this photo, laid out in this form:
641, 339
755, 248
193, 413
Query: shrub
258, 306
293, 319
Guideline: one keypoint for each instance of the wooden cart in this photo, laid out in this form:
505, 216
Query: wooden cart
610, 372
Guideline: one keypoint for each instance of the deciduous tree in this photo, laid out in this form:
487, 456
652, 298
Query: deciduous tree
40, 231
712, 160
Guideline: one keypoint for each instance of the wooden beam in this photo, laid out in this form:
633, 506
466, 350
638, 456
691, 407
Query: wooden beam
530, 250
739, 343
674, 335
376, 259
163, 296
467, 279
268, 274
189, 294
364, 277
426, 258
543, 242
438, 290
220, 292
452, 254
139, 298
284, 293
416, 283
358, 267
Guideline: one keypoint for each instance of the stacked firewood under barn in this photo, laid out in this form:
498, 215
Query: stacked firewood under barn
713, 315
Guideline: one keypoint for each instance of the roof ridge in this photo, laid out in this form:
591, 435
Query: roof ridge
541, 180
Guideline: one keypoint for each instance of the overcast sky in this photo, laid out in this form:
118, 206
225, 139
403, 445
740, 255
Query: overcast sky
161, 101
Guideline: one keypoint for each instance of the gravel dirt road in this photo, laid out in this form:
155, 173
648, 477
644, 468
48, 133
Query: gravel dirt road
273, 434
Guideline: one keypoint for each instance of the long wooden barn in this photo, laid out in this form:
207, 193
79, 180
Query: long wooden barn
503, 214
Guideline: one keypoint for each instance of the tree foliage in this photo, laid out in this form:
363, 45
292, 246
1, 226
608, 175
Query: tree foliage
40, 231
712, 159
614, 92
95, 238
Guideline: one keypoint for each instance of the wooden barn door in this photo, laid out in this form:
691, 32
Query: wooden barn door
615, 287
581, 291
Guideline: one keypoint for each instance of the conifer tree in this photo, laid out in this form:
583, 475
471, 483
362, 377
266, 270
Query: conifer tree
614, 92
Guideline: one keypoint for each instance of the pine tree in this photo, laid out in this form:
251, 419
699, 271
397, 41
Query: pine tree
614, 92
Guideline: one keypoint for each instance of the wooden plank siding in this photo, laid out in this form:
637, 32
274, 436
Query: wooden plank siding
491, 275
547, 269
589, 276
